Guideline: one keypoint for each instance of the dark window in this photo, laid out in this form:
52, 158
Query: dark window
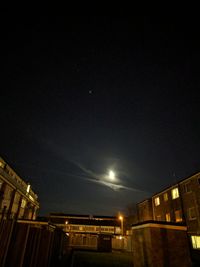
187, 187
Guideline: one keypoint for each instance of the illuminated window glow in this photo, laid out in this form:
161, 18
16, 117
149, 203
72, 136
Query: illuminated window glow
23, 204
165, 196
178, 216
195, 242
168, 219
157, 201
31, 198
1, 164
28, 188
175, 193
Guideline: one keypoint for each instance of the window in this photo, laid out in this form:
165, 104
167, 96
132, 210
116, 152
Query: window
167, 216
157, 201
158, 217
199, 181
187, 187
75, 228
178, 216
23, 204
191, 213
1, 164
195, 241
165, 196
175, 193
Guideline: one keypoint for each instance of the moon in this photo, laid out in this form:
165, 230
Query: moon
111, 175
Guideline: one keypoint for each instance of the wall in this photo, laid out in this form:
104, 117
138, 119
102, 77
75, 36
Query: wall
160, 245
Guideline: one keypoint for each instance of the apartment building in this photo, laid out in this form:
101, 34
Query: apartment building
145, 212
179, 203
86, 223
17, 199
87, 230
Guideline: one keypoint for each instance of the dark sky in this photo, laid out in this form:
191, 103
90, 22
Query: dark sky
81, 95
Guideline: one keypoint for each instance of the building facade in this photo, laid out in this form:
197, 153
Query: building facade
144, 210
86, 230
17, 199
179, 203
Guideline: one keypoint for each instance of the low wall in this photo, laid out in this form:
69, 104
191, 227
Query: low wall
160, 245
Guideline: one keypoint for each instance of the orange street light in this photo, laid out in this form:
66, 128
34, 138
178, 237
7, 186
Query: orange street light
121, 218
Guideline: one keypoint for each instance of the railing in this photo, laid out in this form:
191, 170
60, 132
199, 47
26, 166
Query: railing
20, 187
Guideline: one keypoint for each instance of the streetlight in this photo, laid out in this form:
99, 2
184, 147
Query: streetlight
121, 218
66, 226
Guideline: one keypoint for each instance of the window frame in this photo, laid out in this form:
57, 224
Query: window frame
195, 239
157, 201
166, 215
181, 216
175, 193
186, 187
190, 210
165, 197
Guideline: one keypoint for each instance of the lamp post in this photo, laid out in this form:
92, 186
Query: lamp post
121, 218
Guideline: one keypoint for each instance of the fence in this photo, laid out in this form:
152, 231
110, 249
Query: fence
32, 244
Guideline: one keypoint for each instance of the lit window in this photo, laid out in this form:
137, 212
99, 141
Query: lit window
23, 204
1, 164
175, 193
157, 201
195, 242
192, 213
165, 196
168, 219
28, 188
178, 216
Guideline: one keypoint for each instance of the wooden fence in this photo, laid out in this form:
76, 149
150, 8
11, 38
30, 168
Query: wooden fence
32, 244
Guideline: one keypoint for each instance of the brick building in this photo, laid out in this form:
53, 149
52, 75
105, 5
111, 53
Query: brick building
145, 212
17, 199
86, 230
178, 203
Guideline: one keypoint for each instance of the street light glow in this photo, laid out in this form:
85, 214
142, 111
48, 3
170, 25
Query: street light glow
121, 218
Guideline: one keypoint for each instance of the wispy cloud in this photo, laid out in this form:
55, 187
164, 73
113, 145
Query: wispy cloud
89, 175
102, 179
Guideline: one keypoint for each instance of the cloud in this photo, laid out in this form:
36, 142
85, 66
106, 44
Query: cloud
89, 175
102, 179
115, 187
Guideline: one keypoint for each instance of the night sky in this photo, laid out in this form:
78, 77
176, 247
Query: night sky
82, 95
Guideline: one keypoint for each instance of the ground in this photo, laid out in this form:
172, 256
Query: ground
100, 259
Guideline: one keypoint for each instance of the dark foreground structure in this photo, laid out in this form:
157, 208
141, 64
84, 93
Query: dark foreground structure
160, 244
178, 203
31, 244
